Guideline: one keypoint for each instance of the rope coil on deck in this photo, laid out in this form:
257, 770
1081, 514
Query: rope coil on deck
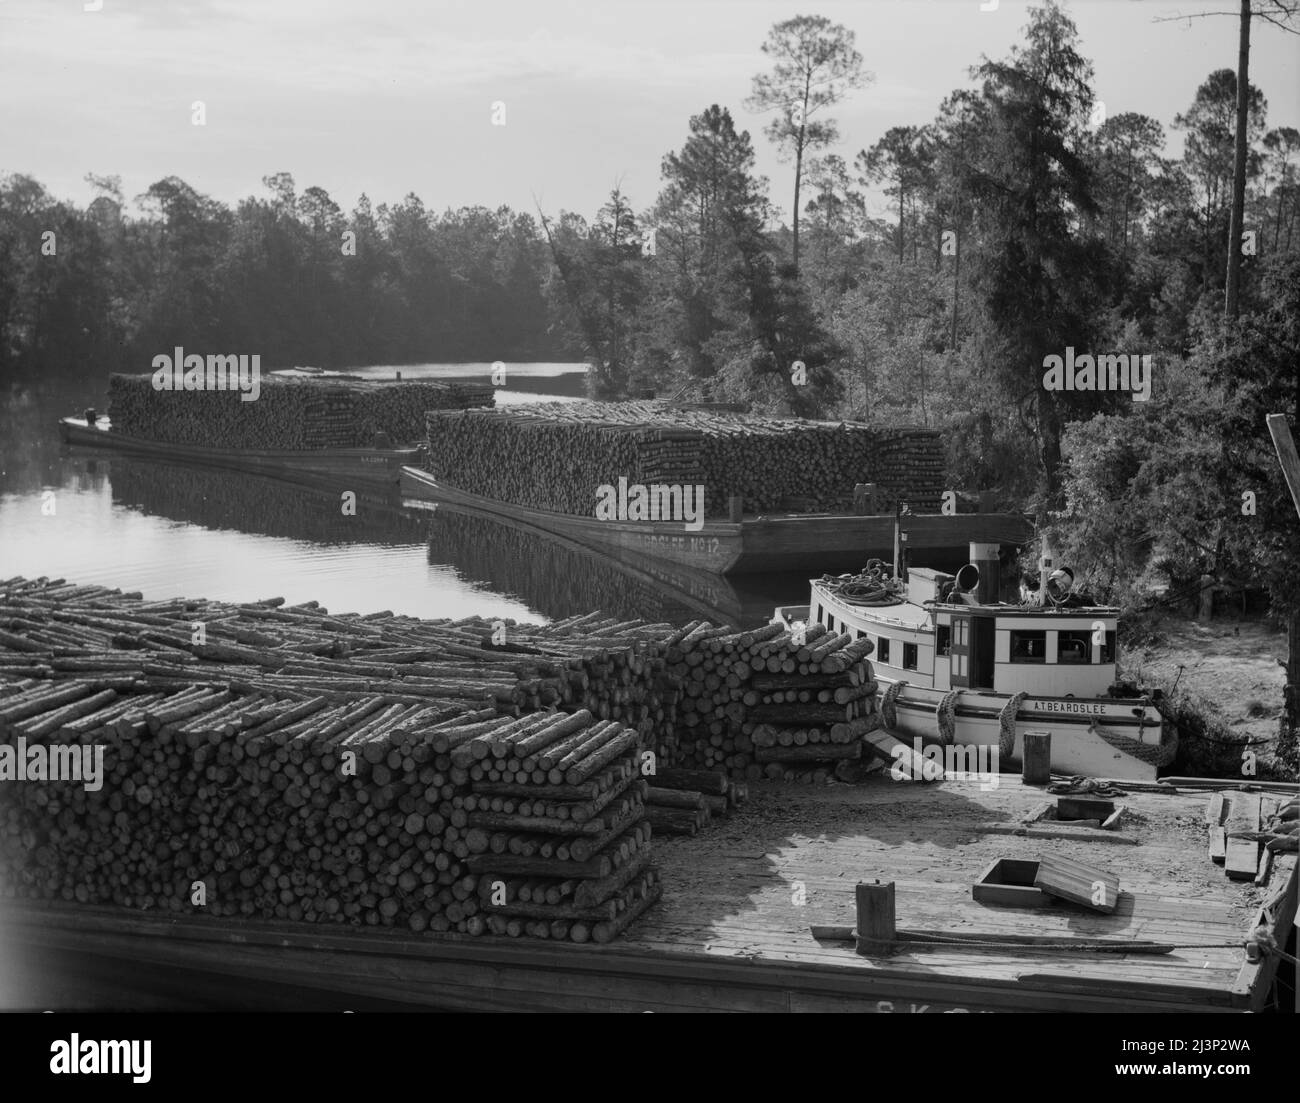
888, 711
947, 714
1007, 724
861, 589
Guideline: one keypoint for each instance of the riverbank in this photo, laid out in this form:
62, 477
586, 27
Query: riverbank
1235, 667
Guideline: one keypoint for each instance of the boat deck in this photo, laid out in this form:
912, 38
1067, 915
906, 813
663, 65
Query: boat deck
729, 935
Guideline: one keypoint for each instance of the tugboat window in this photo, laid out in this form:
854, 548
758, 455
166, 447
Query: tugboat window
1028, 647
1074, 647
909, 656
883, 650
1108, 648
943, 639
830, 622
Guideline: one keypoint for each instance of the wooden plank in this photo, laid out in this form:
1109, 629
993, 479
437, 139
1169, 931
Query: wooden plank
1215, 810
1265, 866
1063, 831
1091, 886
1241, 858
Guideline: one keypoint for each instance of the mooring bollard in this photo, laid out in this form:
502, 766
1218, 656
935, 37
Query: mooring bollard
1036, 765
875, 926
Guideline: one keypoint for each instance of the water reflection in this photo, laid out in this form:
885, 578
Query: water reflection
259, 504
174, 529
562, 578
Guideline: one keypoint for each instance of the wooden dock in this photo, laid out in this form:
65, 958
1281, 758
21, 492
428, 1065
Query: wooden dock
732, 932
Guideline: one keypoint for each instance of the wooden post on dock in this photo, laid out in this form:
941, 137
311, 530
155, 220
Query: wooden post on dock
735, 509
1036, 764
875, 925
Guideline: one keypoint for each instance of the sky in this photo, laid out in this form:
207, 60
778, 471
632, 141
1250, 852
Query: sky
388, 97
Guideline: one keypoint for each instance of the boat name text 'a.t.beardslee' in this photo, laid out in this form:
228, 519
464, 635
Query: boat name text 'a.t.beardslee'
1093, 709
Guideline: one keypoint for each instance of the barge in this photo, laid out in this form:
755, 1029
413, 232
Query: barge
772, 542
349, 466
729, 934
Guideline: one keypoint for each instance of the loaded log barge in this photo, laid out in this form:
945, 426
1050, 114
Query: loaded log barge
493, 848
331, 426
768, 494
347, 466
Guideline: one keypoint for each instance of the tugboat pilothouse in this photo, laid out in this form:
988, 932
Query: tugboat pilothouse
957, 665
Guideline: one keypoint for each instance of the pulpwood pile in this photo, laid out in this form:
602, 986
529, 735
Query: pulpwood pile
289, 413
369, 769
555, 455
769, 702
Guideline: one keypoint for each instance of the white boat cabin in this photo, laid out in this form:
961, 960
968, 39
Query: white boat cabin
970, 642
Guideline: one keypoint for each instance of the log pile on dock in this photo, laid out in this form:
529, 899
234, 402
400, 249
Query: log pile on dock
554, 456
295, 412
769, 702
473, 776
681, 802
554, 826
811, 705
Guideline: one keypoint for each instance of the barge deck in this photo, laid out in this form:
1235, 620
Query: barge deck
731, 935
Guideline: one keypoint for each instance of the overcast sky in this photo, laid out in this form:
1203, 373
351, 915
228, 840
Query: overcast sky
391, 96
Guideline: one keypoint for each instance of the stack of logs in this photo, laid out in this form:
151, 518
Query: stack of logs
769, 702
556, 455
681, 802
290, 412
381, 769
554, 826
810, 702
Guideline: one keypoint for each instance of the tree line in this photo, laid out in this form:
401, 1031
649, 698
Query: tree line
287, 274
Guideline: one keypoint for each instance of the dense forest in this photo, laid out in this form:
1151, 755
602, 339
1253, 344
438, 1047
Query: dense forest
1024, 220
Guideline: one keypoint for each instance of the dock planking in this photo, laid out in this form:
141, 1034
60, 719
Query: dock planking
1241, 856
733, 929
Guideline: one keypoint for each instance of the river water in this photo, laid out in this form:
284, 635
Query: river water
177, 530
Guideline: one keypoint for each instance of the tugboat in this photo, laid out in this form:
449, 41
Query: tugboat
957, 665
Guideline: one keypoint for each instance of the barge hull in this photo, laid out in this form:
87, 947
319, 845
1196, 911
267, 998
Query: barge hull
361, 466
775, 543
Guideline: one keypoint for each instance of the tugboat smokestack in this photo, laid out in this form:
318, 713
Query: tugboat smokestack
988, 588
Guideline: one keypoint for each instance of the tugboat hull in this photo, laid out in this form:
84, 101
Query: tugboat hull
1121, 739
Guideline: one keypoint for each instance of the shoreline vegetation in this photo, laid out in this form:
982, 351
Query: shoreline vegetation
1026, 218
